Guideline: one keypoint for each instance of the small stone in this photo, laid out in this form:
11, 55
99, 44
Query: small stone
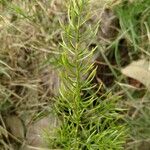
15, 126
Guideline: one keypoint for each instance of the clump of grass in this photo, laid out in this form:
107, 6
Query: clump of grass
131, 43
134, 23
30, 33
88, 121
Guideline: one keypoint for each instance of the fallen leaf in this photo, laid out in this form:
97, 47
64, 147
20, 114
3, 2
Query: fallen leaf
140, 71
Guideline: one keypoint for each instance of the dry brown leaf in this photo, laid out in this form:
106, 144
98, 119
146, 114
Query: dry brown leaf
139, 70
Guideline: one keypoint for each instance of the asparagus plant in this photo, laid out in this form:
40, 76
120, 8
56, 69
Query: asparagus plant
88, 121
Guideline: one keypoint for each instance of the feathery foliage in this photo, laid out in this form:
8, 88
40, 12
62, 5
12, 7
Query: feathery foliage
88, 121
